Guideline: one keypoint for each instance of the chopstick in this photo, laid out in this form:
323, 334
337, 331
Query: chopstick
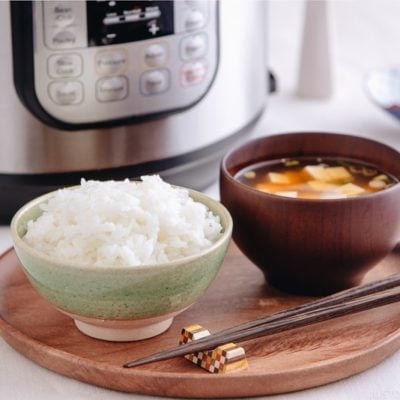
339, 304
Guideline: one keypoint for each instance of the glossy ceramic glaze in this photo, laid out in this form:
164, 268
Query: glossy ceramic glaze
312, 246
124, 303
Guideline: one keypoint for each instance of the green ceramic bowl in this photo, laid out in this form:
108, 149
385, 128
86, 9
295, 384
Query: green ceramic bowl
125, 303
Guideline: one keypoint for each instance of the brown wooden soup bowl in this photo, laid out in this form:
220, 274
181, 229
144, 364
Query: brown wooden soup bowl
312, 247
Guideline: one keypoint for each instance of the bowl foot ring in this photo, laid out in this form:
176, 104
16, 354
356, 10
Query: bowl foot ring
123, 333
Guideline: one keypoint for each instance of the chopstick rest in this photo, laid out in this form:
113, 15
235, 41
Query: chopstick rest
224, 358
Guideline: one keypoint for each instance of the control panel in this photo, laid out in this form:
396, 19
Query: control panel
100, 61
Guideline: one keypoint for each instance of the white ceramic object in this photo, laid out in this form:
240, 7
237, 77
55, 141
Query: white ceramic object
315, 70
383, 88
123, 331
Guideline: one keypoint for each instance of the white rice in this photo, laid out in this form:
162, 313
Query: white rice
123, 223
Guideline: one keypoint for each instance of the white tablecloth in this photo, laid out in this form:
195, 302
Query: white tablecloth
366, 35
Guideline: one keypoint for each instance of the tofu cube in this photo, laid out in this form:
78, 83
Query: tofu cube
276, 177
328, 174
339, 174
350, 189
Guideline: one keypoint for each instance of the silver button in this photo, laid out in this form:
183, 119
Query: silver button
66, 38
65, 24
112, 89
64, 65
66, 93
193, 3
111, 62
154, 82
194, 46
63, 14
193, 73
194, 20
155, 55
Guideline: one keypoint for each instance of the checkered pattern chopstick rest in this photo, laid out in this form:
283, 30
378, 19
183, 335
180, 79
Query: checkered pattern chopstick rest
225, 358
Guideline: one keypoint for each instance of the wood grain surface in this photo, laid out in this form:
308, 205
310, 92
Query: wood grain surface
285, 362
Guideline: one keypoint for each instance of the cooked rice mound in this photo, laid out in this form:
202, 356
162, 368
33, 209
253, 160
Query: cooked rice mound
123, 223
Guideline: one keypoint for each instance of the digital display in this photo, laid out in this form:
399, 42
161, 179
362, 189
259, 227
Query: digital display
113, 22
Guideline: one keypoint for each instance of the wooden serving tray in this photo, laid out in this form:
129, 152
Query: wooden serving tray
294, 360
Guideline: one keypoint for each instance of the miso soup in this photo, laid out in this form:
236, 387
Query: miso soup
316, 178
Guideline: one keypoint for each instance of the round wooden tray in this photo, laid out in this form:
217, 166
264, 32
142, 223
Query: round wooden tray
294, 360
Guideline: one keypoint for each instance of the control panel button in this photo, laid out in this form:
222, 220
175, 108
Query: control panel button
154, 82
66, 93
193, 47
155, 55
62, 14
64, 24
111, 62
194, 20
193, 73
193, 3
112, 89
64, 65
65, 38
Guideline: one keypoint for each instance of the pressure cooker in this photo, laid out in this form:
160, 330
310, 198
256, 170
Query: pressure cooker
116, 89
